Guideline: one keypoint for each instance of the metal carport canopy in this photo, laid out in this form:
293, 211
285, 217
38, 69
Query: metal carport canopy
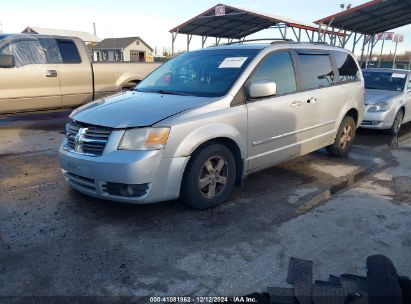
236, 23
372, 17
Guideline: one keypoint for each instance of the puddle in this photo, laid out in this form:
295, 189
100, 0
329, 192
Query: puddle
45, 121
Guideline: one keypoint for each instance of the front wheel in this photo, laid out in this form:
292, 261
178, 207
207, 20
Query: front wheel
209, 178
344, 139
395, 128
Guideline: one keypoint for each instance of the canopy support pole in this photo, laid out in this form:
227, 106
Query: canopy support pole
281, 32
395, 54
371, 47
308, 36
173, 40
203, 41
382, 50
189, 37
354, 42
364, 43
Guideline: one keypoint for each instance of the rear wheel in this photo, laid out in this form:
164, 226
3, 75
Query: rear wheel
209, 178
344, 139
395, 128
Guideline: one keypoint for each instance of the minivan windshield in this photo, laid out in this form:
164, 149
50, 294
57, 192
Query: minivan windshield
205, 73
388, 81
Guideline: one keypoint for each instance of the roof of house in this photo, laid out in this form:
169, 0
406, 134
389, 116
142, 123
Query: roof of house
119, 43
85, 36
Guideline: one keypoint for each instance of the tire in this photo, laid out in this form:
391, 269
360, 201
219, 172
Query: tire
344, 139
209, 178
396, 125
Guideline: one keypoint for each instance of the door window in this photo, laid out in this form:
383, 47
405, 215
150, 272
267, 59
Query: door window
347, 68
277, 67
51, 50
25, 52
316, 71
68, 51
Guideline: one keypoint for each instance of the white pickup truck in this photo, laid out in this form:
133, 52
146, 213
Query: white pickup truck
44, 72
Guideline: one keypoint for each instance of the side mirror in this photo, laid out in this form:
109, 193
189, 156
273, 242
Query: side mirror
262, 88
7, 61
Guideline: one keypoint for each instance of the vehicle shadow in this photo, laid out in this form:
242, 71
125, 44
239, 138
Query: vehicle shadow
377, 139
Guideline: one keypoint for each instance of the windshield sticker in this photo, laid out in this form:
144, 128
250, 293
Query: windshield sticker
233, 63
397, 75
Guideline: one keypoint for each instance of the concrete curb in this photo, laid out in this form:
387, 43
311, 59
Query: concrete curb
312, 200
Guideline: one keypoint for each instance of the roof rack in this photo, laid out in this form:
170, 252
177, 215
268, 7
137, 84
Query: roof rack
321, 43
274, 40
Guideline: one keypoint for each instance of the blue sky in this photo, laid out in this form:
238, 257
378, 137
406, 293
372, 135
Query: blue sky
153, 20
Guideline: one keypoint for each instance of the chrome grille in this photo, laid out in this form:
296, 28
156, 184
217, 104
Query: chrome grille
87, 139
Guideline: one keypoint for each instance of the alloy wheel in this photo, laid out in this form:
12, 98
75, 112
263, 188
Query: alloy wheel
213, 177
397, 122
346, 136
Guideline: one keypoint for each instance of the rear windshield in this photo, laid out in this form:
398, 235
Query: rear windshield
206, 73
388, 81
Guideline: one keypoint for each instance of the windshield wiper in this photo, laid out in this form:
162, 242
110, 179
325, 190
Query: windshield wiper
165, 92
372, 88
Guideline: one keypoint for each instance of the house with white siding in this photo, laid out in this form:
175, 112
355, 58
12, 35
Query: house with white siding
123, 49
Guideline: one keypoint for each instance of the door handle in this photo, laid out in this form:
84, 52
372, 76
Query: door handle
295, 104
50, 73
312, 100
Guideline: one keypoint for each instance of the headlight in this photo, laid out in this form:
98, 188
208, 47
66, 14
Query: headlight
144, 139
380, 107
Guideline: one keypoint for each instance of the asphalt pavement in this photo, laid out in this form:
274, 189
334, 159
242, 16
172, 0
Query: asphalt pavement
335, 212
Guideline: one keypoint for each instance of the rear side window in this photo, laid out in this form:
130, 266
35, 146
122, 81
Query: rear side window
68, 51
277, 67
347, 68
316, 71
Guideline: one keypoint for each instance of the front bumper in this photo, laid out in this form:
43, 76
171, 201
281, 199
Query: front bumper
159, 177
378, 120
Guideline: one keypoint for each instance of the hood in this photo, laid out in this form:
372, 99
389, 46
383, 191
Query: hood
135, 109
377, 96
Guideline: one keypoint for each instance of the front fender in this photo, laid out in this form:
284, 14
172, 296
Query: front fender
205, 133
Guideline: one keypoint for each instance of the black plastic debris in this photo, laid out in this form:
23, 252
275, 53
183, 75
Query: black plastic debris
382, 285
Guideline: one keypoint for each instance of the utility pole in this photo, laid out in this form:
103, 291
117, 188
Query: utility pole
398, 39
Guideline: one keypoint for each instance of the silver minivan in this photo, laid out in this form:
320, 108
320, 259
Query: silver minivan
203, 121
